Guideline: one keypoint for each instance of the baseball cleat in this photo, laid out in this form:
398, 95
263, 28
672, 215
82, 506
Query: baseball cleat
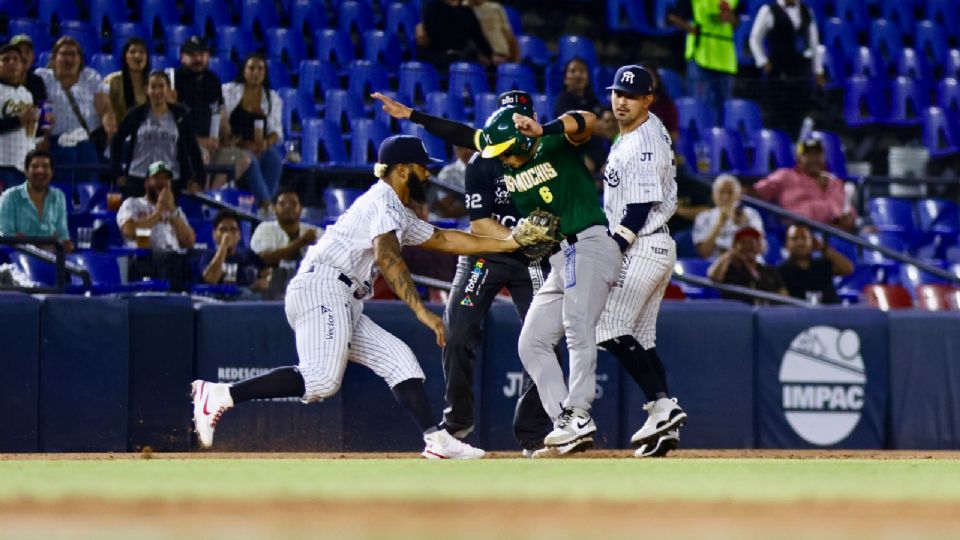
551, 452
664, 445
573, 425
210, 401
442, 445
664, 415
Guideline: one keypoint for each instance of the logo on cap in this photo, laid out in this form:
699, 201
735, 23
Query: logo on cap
627, 77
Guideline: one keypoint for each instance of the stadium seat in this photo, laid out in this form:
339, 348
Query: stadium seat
900, 14
839, 37
866, 64
601, 77
885, 42
342, 107
365, 77
125, 31
910, 64
307, 17
772, 149
159, 14
533, 50
85, 34
515, 77
278, 75
33, 28
105, 276
948, 96
515, 19
834, 68
887, 297
318, 76
726, 151
553, 79
416, 80
891, 214
774, 253
672, 82
354, 16
234, 44
485, 105
225, 69
890, 240
741, 41
931, 42
944, 14
337, 200
695, 267
444, 105
256, 16
938, 216
322, 143
209, 16
60, 10
333, 46
855, 13
847, 249
436, 147
402, 19
104, 63
37, 270
285, 46
366, 136
907, 101
14, 9
951, 68
833, 152
297, 107
543, 106
577, 47
467, 79
912, 277
695, 117
862, 101
177, 35
742, 116
934, 297
103, 13
382, 116
382, 48
939, 135
89, 194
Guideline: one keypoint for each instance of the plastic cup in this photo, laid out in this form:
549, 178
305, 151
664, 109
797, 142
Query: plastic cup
84, 237
114, 200
143, 238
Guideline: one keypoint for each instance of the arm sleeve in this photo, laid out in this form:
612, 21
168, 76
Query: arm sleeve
481, 191
418, 231
125, 213
274, 122
761, 27
448, 130
702, 226
385, 218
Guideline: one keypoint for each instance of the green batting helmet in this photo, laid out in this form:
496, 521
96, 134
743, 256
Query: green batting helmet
499, 134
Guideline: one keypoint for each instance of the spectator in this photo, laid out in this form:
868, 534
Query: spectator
739, 266
577, 92
811, 278
123, 90
251, 127
158, 131
693, 198
18, 118
77, 136
247, 269
664, 107
710, 51
448, 32
714, 229
28, 78
496, 28
282, 243
157, 212
35, 208
808, 189
449, 203
789, 29
199, 90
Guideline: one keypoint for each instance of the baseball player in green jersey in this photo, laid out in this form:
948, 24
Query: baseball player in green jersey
543, 168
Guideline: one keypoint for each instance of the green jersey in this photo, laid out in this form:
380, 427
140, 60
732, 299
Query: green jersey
555, 179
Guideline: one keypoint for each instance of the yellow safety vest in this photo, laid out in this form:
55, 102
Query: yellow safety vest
713, 48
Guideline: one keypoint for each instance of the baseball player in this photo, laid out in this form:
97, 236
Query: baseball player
639, 198
324, 303
544, 169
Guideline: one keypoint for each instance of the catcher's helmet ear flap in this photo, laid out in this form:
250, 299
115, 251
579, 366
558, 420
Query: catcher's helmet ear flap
500, 135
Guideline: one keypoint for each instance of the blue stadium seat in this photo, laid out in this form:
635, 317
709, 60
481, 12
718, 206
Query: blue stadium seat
446, 106
333, 46
601, 77
382, 48
774, 253
939, 134
833, 152
577, 47
85, 34
890, 214
125, 31
648, 18
673, 82
695, 117
36, 270
209, 16
534, 51
885, 42
694, 267
342, 107
515, 77
322, 143
553, 79
177, 35
847, 249
318, 76
159, 14
103, 13
952, 67
741, 41
203, 230
484, 105
900, 13
402, 19
436, 147
944, 14
839, 37
931, 42
834, 68
948, 96
907, 101
234, 43
14, 9
866, 64
285, 46
543, 106
307, 17
912, 277
863, 101
416, 80
742, 116
887, 239
354, 16
105, 274
256, 16
159, 61
366, 136
726, 151
35, 29
61, 10
278, 74
104, 63
297, 107
854, 12
366, 77
910, 64
382, 116
337, 200
772, 150
938, 216
467, 79
516, 21
224, 68
89, 195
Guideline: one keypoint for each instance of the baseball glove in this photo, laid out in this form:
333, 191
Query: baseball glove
537, 234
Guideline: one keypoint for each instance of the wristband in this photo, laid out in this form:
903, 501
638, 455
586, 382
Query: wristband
554, 127
625, 233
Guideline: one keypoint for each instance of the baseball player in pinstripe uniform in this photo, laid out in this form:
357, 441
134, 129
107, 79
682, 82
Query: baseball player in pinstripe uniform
324, 303
639, 198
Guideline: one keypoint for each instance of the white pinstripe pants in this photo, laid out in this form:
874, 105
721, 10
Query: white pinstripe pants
634, 301
331, 329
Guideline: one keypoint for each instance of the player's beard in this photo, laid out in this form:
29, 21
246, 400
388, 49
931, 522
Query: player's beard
415, 185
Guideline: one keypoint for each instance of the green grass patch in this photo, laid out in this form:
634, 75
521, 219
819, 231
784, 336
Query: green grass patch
758, 480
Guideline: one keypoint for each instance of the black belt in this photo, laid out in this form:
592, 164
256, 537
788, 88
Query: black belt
341, 277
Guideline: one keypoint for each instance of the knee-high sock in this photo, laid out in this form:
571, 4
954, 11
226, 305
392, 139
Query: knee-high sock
636, 361
280, 382
654, 359
413, 397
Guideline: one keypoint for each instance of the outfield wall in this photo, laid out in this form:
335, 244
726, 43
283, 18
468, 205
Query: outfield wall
99, 374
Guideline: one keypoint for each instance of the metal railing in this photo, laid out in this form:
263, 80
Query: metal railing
62, 267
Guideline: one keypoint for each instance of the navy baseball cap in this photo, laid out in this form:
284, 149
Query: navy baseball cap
515, 98
633, 79
404, 149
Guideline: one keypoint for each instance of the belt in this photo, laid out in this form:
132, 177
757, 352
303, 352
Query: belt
359, 292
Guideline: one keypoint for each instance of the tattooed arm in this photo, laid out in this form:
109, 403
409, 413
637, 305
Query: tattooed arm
461, 243
386, 249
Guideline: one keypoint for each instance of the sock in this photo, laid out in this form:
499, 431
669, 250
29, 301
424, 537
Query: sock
654, 359
281, 382
635, 361
413, 397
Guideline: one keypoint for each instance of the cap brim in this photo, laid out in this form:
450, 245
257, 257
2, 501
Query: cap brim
494, 150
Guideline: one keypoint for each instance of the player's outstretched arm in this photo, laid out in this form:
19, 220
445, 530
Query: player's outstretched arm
461, 243
386, 250
448, 130
577, 125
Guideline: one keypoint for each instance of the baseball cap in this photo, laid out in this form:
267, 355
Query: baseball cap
404, 149
21, 38
515, 98
194, 45
9, 47
746, 232
810, 145
633, 79
158, 167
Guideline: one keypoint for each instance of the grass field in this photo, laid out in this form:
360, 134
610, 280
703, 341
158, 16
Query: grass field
264, 497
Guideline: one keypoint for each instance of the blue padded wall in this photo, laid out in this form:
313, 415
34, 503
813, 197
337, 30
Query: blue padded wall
20, 366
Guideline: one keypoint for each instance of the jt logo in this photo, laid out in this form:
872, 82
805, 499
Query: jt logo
512, 388
646, 156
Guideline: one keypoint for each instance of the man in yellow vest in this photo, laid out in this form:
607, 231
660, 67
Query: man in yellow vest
710, 51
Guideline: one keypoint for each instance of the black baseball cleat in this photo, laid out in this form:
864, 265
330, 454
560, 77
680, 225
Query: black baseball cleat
664, 445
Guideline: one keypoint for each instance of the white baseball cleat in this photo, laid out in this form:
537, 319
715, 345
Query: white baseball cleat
664, 445
563, 450
664, 415
210, 401
442, 445
573, 425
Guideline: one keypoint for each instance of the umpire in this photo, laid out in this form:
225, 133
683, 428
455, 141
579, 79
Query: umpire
478, 280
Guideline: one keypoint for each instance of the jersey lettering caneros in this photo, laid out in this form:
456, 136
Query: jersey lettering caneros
556, 180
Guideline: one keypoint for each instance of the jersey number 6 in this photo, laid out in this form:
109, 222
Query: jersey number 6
546, 195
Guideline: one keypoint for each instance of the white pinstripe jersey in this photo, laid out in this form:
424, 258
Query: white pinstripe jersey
641, 169
347, 245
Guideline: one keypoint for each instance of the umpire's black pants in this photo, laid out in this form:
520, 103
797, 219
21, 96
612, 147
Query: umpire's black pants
477, 282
